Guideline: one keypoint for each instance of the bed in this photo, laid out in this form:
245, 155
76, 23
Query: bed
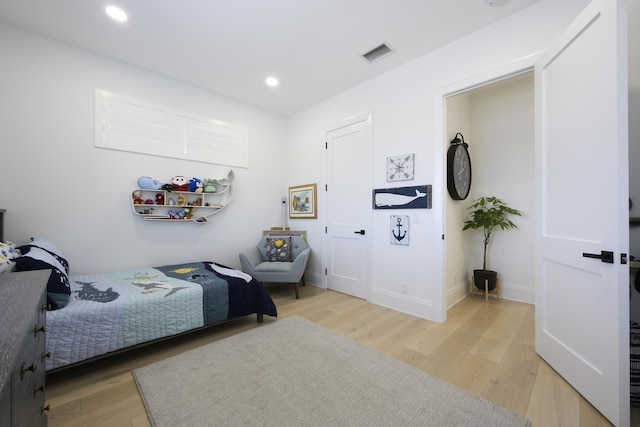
93, 315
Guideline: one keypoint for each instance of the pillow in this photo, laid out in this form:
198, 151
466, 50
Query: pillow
39, 258
8, 253
279, 249
46, 245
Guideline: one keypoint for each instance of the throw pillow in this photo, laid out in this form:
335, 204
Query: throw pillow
41, 258
8, 254
47, 246
279, 249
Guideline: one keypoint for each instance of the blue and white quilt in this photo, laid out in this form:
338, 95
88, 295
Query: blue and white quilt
111, 311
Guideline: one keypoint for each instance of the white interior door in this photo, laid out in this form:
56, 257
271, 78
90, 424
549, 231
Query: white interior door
582, 303
349, 207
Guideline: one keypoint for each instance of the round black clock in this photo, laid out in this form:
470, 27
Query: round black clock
458, 168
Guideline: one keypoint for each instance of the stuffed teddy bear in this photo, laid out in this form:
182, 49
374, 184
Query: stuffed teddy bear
195, 185
182, 200
188, 213
209, 186
179, 183
148, 183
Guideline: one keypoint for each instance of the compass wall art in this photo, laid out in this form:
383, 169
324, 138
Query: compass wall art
399, 230
400, 168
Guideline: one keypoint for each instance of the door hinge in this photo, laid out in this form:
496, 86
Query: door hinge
443, 237
326, 145
326, 187
325, 229
325, 271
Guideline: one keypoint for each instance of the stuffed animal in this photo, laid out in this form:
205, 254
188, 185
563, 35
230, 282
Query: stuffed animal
188, 213
195, 185
137, 197
209, 186
179, 183
176, 214
159, 199
148, 183
182, 200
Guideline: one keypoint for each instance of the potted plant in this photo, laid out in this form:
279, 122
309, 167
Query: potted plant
487, 213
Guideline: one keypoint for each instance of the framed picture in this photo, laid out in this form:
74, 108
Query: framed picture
303, 202
400, 168
416, 197
399, 229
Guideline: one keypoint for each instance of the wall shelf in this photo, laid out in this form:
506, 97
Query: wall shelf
182, 206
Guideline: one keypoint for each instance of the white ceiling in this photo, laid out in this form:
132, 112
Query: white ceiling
314, 47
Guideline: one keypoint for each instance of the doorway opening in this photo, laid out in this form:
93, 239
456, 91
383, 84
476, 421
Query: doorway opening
498, 122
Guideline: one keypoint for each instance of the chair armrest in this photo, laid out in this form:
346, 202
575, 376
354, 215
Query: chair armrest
300, 264
249, 259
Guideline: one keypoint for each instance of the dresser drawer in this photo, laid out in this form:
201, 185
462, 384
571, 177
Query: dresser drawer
5, 407
22, 344
29, 376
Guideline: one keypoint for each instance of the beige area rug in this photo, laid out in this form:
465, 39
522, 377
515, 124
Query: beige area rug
293, 372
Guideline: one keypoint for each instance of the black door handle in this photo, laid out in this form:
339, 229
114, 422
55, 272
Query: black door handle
604, 256
359, 232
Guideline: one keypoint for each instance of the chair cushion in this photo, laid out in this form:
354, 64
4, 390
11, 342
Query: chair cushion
273, 267
279, 249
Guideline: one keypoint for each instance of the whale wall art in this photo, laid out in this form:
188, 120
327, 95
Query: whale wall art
416, 197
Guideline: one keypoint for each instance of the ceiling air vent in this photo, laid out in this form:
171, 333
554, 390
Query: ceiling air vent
377, 53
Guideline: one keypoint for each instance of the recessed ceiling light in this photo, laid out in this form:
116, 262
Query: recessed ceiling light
116, 13
271, 82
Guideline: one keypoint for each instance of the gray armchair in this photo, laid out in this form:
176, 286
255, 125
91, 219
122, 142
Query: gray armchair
254, 262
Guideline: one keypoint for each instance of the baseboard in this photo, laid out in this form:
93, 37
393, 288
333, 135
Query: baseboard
508, 291
421, 307
517, 293
314, 279
458, 293
403, 303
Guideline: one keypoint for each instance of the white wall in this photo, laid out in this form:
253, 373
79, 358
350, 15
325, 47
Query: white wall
57, 185
402, 105
504, 136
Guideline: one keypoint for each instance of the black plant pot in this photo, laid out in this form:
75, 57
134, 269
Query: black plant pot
479, 276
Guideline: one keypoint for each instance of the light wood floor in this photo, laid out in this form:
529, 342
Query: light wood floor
485, 348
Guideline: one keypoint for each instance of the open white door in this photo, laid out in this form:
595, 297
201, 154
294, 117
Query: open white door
582, 302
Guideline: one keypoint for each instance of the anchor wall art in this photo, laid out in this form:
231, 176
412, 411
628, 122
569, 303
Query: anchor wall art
399, 230
417, 197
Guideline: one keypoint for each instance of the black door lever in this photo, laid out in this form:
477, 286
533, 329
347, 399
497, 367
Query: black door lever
359, 232
605, 256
